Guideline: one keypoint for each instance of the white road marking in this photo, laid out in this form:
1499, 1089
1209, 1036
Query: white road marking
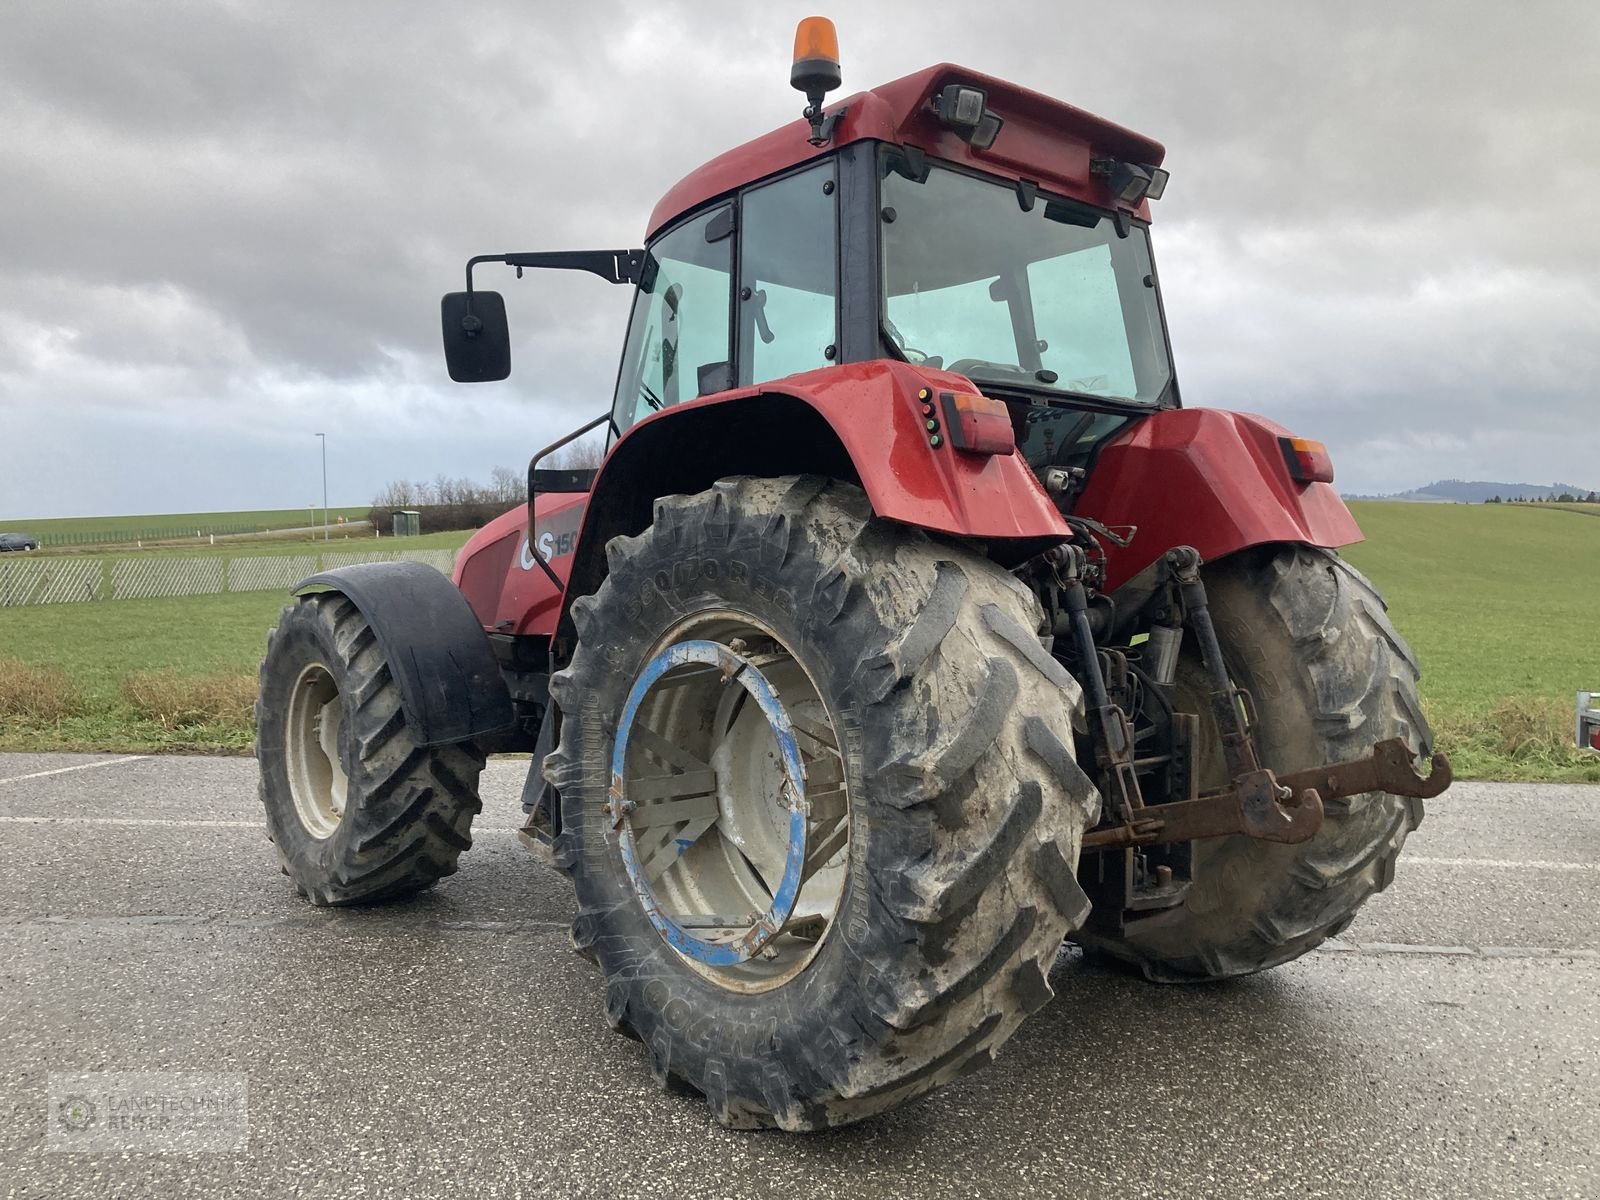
375, 923
176, 823
1338, 946
368, 924
160, 821
88, 766
1499, 864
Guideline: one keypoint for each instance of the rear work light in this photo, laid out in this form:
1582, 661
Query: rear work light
972, 422
1308, 460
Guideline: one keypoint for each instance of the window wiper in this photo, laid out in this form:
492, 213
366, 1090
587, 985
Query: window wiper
999, 372
650, 398
1056, 395
896, 341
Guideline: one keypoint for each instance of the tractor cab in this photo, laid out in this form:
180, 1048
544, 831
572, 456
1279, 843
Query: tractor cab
875, 250
948, 220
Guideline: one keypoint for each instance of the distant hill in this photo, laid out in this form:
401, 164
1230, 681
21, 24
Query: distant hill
1476, 491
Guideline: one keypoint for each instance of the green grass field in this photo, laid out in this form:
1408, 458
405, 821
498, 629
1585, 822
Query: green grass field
167, 674
1501, 603
69, 534
95, 650
275, 518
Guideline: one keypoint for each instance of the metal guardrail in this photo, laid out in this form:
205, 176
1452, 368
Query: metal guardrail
43, 579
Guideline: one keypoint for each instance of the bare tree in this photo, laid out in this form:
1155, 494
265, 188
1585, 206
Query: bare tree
507, 486
583, 454
447, 503
399, 494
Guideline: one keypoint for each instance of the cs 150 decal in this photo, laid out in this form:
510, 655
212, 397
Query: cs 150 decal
557, 540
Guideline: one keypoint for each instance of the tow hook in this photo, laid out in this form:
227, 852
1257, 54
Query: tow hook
1280, 810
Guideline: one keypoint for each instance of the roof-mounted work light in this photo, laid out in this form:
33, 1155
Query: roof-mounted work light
816, 69
1130, 182
965, 110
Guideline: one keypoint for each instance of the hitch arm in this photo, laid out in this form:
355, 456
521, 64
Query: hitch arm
1113, 732
1258, 804
1389, 768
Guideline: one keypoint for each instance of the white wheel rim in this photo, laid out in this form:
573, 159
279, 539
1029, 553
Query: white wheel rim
317, 780
729, 803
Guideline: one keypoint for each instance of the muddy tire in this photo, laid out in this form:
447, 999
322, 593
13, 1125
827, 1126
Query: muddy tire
1307, 635
358, 811
914, 671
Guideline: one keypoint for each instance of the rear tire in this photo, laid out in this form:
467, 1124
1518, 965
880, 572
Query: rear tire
1308, 636
359, 812
963, 814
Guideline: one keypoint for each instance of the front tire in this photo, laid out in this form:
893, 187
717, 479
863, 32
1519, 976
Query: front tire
359, 812
1307, 635
959, 807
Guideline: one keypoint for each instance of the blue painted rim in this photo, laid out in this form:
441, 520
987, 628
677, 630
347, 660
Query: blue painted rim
741, 671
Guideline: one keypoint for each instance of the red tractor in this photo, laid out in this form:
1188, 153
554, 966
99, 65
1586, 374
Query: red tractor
909, 627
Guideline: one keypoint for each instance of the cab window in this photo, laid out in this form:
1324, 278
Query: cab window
788, 276
679, 334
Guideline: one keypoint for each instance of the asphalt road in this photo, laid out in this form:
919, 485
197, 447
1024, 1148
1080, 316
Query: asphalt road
454, 1044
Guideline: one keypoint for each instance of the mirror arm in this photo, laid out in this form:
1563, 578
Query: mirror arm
614, 266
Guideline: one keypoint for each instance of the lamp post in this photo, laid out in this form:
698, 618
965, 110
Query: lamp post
324, 438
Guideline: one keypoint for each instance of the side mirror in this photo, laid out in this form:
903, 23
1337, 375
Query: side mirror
477, 341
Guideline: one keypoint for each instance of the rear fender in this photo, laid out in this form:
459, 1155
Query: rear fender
1210, 479
859, 422
875, 411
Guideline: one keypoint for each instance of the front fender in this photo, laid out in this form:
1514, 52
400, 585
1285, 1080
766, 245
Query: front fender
1210, 479
450, 685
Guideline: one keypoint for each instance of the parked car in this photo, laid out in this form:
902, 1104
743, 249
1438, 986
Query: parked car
17, 541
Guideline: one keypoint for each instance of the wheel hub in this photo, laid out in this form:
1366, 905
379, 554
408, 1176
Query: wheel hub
728, 804
317, 780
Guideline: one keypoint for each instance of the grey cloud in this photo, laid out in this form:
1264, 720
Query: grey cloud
227, 225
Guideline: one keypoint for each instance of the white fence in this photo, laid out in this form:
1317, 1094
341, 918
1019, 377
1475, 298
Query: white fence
51, 579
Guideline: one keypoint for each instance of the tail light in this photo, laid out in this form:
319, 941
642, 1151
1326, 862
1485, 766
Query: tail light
973, 423
1589, 720
1308, 460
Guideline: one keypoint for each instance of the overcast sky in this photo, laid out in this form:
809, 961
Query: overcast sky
226, 227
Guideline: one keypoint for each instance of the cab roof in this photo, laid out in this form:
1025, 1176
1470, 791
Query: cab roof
1042, 140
